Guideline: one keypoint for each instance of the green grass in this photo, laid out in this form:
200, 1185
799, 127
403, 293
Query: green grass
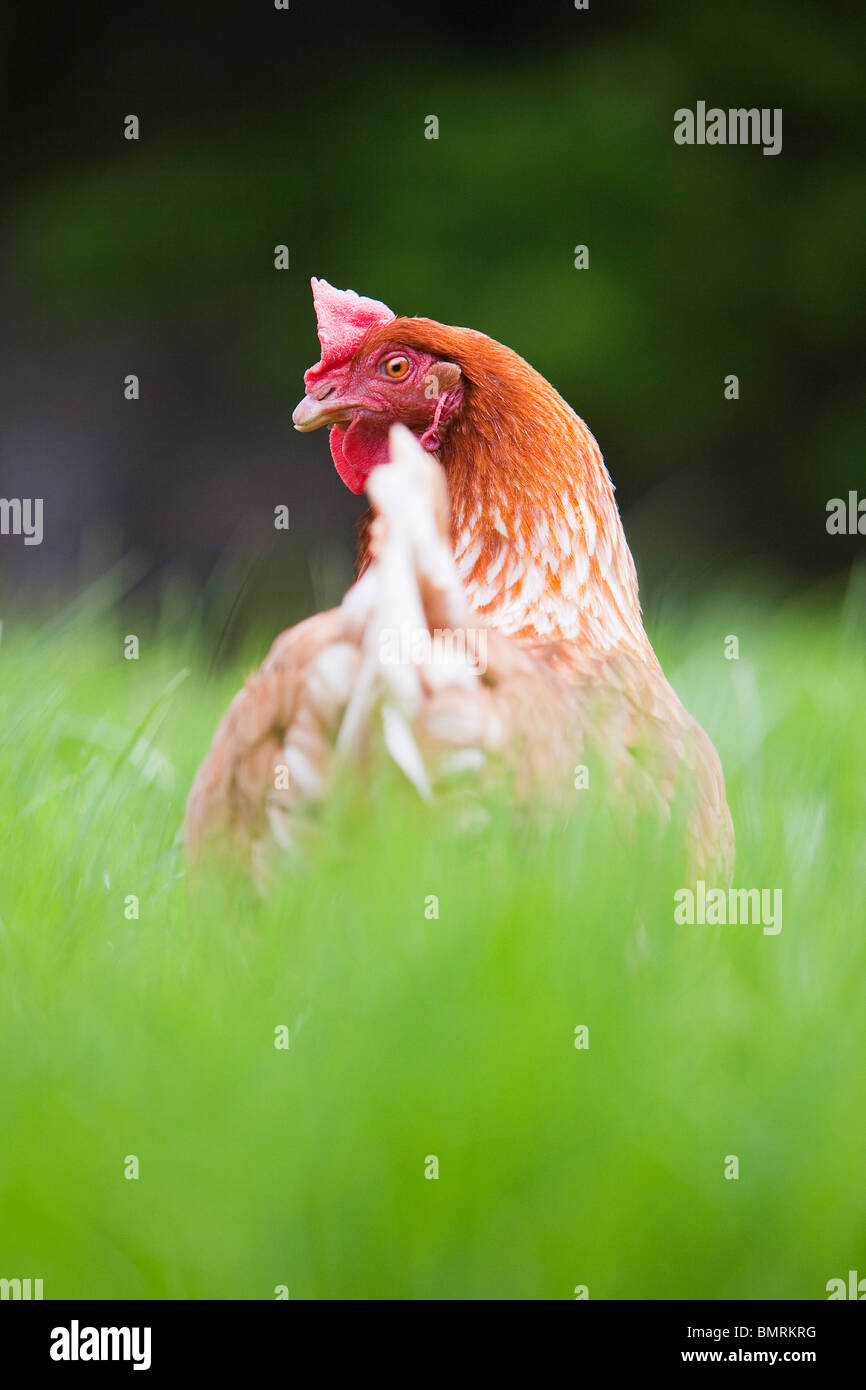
412, 1037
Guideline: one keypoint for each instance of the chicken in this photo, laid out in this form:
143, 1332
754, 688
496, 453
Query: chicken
495, 622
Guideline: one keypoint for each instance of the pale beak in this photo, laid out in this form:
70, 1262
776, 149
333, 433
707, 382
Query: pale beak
310, 414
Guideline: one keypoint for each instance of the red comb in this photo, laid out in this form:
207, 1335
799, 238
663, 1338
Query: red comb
343, 319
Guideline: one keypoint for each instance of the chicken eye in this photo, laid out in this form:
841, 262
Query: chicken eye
396, 367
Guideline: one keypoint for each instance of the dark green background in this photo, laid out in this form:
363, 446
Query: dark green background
307, 128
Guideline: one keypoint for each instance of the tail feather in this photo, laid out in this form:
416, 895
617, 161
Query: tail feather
411, 591
331, 685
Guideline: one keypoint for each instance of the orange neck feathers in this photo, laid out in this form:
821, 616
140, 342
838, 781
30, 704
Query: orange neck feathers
537, 536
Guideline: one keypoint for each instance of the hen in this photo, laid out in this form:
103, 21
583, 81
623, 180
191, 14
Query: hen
495, 621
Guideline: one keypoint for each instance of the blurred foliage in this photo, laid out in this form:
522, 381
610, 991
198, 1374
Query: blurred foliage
410, 1035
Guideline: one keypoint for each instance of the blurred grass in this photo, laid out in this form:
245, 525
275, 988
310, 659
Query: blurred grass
411, 1037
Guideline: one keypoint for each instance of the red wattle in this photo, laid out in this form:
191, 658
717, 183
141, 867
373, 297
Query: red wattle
356, 451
